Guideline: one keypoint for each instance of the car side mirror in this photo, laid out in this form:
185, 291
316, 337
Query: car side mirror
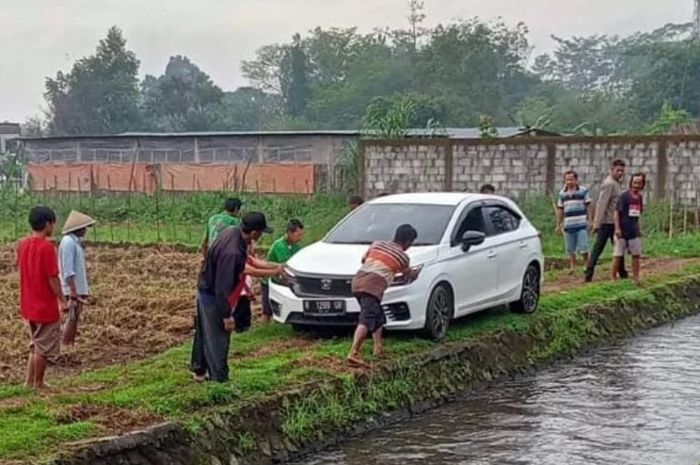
472, 238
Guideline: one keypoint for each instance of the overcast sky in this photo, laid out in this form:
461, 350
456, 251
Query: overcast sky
39, 37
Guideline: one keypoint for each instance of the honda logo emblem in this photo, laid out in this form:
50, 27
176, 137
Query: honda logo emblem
326, 284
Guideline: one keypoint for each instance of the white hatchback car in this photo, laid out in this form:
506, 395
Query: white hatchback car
473, 252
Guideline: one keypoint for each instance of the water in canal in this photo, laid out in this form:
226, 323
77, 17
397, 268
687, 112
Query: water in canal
635, 402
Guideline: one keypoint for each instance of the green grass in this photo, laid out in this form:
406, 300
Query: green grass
263, 361
176, 219
179, 219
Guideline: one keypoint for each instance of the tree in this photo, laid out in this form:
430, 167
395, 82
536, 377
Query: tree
249, 109
487, 130
99, 95
415, 19
184, 98
389, 121
265, 71
660, 72
670, 119
295, 78
582, 64
477, 66
34, 127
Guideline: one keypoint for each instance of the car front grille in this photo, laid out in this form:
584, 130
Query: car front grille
322, 287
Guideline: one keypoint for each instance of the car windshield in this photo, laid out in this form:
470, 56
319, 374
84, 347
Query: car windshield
378, 222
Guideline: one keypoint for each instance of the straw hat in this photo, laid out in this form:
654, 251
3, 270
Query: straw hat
76, 221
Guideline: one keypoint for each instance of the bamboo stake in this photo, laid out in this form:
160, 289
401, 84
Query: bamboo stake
157, 216
670, 220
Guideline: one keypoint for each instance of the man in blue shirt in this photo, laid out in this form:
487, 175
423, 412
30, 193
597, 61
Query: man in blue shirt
73, 270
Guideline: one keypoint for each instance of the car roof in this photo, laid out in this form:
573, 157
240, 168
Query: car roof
432, 198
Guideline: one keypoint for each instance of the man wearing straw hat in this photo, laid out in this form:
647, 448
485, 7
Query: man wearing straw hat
73, 270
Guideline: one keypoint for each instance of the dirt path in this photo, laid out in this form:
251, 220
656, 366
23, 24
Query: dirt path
651, 267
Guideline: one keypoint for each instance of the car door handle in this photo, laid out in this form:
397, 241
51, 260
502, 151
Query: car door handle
491, 254
522, 245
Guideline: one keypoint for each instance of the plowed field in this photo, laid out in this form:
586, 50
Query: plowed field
143, 304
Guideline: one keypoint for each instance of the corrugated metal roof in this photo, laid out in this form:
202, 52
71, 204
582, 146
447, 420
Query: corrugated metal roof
156, 135
475, 133
9, 128
452, 133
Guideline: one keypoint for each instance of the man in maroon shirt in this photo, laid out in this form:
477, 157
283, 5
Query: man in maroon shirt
40, 293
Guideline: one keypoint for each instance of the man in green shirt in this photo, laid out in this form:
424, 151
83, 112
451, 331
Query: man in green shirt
217, 223
281, 250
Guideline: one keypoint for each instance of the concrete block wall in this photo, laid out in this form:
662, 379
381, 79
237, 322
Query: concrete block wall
683, 181
592, 161
513, 170
414, 168
533, 166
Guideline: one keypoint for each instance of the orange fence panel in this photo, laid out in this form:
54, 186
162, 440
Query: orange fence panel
144, 178
265, 178
61, 178
114, 177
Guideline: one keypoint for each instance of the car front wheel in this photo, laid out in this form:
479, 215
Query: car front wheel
439, 312
530, 293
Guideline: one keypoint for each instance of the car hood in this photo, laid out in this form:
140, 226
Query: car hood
323, 258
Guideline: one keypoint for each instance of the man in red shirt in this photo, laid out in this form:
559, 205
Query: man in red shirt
40, 293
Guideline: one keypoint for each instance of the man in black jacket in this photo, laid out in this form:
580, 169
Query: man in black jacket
219, 281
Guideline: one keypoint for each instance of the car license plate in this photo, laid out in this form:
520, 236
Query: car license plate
324, 307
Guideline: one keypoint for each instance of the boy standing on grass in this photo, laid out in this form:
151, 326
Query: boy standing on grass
574, 218
628, 232
217, 223
382, 262
40, 294
281, 251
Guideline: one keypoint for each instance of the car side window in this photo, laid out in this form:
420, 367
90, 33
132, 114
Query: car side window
502, 220
474, 221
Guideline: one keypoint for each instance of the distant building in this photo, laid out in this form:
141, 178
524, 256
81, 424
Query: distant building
259, 161
8, 131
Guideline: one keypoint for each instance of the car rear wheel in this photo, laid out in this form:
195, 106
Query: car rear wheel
439, 312
530, 293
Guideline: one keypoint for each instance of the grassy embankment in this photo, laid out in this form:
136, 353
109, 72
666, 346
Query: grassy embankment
271, 358
264, 361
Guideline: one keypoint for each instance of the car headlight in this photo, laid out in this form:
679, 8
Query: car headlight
404, 279
287, 278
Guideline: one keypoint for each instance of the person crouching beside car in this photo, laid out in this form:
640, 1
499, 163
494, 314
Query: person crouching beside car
382, 262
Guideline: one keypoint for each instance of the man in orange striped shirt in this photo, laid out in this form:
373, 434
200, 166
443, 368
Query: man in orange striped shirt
382, 262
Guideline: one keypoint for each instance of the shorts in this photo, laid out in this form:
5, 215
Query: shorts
265, 297
45, 338
371, 312
576, 242
633, 246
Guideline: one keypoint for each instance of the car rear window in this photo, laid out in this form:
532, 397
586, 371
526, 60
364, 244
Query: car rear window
378, 222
